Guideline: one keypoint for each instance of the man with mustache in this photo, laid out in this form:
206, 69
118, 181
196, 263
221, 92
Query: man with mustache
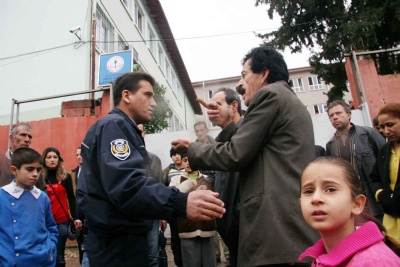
270, 149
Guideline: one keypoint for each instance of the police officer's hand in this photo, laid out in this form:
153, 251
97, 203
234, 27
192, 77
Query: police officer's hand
204, 205
181, 145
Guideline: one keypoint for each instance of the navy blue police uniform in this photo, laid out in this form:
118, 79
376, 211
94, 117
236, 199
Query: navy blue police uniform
116, 196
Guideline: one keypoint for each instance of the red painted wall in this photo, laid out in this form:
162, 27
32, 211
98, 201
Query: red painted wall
64, 133
379, 89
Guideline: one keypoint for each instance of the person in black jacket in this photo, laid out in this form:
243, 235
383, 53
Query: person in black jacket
227, 116
114, 191
384, 178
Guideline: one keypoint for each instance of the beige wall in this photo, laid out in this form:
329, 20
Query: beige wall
309, 97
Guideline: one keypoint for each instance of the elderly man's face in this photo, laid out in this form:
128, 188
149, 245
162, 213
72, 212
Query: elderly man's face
23, 138
251, 81
201, 131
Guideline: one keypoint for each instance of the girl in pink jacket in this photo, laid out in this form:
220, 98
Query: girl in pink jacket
331, 198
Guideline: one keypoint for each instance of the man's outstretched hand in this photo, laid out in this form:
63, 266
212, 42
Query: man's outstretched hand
213, 108
181, 145
204, 205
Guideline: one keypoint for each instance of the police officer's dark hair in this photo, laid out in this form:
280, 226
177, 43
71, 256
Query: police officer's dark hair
130, 81
25, 155
230, 95
267, 58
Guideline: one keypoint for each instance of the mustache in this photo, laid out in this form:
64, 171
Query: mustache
240, 90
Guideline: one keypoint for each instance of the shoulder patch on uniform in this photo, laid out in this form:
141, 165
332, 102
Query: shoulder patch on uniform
120, 149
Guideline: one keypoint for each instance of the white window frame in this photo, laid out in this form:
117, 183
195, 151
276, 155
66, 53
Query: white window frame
297, 85
180, 94
315, 83
152, 41
104, 32
174, 84
320, 109
139, 18
168, 72
121, 44
161, 59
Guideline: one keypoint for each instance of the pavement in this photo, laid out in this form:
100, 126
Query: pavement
72, 255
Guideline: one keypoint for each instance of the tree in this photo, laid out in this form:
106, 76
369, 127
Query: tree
331, 28
162, 112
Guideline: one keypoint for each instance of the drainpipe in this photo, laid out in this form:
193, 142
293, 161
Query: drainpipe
93, 49
365, 108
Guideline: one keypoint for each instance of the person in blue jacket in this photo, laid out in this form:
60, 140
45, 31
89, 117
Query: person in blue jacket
28, 232
114, 193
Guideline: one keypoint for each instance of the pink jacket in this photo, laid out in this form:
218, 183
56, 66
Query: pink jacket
362, 248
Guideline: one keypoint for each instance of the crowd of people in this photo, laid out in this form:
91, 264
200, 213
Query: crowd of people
262, 185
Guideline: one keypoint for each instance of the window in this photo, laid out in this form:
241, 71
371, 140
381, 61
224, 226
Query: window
128, 5
122, 45
104, 32
174, 85
174, 124
297, 85
320, 109
152, 41
168, 72
139, 18
161, 60
315, 83
180, 94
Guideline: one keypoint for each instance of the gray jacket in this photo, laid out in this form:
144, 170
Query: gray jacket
364, 148
270, 149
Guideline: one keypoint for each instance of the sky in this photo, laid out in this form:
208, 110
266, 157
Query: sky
214, 35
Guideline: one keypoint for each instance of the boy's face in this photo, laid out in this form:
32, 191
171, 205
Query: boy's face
27, 175
186, 165
176, 159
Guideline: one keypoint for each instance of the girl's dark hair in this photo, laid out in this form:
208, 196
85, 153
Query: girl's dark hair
60, 170
352, 178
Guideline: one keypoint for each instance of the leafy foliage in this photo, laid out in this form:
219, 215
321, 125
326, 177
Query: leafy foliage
162, 112
331, 28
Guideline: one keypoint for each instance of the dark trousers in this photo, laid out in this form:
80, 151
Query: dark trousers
175, 242
117, 250
79, 240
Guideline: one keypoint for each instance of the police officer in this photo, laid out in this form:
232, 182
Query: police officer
114, 191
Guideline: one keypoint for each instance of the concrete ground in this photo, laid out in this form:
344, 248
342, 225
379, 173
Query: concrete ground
72, 256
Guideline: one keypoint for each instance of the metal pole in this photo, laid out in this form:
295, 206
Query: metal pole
17, 116
111, 96
11, 121
364, 104
373, 52
58, 96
